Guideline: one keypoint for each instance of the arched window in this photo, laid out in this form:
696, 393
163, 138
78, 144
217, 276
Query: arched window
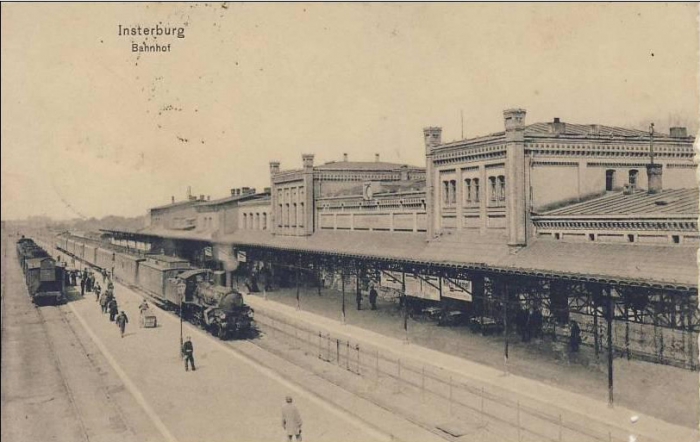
279, 216
245, 220
286, 215
476, 190
633, 178
302, 215
264, 221
257, 221
468, 190
501, 188
493, 189
453, 192
294, 215
446, 192
609, 180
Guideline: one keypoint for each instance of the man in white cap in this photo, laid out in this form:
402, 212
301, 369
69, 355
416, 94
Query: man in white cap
291, 419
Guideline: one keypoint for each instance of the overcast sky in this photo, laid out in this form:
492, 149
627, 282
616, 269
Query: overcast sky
91, 129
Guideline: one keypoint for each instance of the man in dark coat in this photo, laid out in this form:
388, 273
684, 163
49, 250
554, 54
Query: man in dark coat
113, 309
82, 286
575, 337
373, 297
98, 290
188, 354
122, 320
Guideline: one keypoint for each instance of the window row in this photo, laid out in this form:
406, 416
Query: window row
290, 215
611, 181
255, 221
472, 190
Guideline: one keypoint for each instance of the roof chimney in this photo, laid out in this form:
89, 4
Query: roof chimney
679, 132
233, 192
654, 178
267, 190
274, 167
557, 126
376, 157
345, 157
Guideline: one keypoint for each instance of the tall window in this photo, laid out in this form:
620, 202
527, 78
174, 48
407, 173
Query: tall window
453, 192
257, 221
294, 215
446, 192
476, 189
264, 221
609, 180
286, 215
302, 215
493, 189
633, 178
245, 220
468, 190
279, 215
501, 188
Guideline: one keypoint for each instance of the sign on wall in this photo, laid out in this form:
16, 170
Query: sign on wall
425, 287
457, 289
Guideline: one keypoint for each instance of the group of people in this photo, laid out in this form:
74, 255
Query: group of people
372, 298
88, 282
529, 323
109, 305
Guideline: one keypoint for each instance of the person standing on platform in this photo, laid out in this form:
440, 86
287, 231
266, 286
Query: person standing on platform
113, 309
98, 290
122, 320
575, 337
291, 420
188, 354
82, 286
373, 297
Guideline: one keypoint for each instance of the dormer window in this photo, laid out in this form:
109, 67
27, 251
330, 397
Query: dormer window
633, 174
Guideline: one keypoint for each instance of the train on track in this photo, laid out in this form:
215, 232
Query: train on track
195, 294
45, 278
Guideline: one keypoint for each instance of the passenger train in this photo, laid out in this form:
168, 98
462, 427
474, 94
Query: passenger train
193, 293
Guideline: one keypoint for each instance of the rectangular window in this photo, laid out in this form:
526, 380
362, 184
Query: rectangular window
468, 190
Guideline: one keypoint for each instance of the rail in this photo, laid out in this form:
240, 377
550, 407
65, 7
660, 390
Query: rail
513, 420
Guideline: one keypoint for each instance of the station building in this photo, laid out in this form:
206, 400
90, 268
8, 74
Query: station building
582, 222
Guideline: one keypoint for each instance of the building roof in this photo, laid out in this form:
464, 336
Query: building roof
586, 129
232, 198
363, 165
645, 264
175, 204
657, 266
638, 203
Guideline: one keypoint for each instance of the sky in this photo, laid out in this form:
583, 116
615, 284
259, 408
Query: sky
90, 128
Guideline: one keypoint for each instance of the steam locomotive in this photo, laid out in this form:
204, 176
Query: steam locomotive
192, 293
45, 278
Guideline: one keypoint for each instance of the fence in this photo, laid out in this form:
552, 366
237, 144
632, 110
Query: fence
440, 392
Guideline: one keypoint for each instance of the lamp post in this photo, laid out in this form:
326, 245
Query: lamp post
181, 287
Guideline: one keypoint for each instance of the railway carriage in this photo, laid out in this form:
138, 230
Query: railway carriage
126, 268
155, 271
45, 279
104, 259
89, 254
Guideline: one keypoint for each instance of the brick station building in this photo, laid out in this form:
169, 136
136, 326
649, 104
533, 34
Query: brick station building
580, 222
